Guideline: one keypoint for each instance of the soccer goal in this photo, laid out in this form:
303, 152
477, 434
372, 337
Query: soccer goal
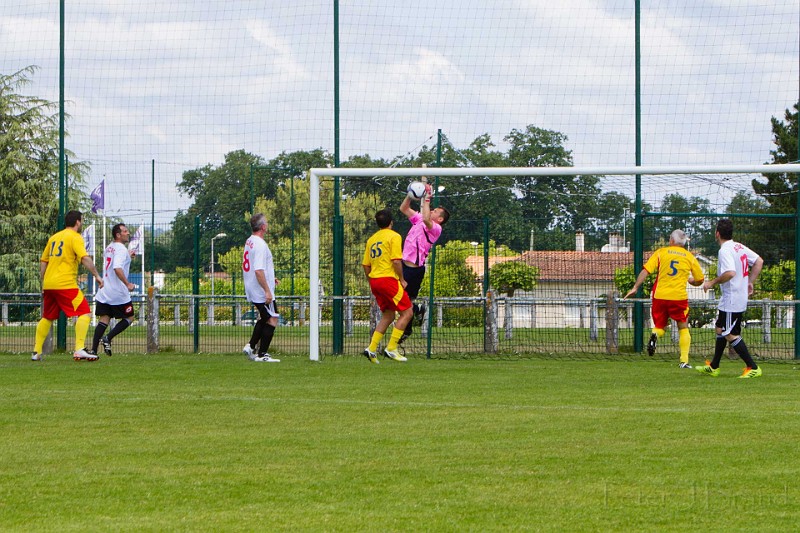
631, 206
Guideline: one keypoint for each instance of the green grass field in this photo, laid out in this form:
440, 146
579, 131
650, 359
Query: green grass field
178, 442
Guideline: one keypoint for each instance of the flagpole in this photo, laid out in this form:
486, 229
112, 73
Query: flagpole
141, 247
94, 282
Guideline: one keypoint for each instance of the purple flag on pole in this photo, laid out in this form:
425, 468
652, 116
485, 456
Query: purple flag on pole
98, 197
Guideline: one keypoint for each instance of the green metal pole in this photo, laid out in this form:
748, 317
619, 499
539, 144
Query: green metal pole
152, 223
252, 192
291, 286
338, 234
196, 286
61, 334
797, 233
432, 260
233, 300
638, 221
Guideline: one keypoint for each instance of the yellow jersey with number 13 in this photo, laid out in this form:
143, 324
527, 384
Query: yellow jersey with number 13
63, 254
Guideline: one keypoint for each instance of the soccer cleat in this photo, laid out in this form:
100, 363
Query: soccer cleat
419, 315
91, 352
265, 358
83, 355
684, 365
106, 344
403, 337
248, 351
36, 356
372, 356
394, 356
706, 369
651, 344
751, 373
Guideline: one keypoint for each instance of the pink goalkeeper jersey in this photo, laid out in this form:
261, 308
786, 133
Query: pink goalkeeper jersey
420, 240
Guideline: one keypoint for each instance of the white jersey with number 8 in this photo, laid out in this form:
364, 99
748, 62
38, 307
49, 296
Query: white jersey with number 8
257, 256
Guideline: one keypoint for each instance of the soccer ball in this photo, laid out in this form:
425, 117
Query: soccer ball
416, 190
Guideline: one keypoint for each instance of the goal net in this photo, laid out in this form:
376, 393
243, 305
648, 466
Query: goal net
535, 261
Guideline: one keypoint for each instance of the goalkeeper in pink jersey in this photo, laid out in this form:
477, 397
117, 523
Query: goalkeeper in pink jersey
426, 228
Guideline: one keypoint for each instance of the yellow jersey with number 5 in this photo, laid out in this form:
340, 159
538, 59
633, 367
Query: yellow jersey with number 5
383, 247
674, 264
63, 254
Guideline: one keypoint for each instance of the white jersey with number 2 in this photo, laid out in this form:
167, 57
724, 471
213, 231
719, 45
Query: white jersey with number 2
736, 257
257, 256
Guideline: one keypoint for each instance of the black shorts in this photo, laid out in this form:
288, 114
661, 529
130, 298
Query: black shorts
265, 311
413, 277
729, 323
116, 311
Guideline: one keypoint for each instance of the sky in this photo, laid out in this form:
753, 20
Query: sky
184, 83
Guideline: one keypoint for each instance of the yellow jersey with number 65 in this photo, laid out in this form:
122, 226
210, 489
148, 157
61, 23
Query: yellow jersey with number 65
382, 248
63, 254
674, 264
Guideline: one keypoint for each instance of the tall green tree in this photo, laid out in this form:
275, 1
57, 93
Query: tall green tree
700, 230
29, 144
780, 190
560, 204
221, 197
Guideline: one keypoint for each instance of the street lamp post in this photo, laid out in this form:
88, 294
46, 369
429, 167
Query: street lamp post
211, 311
626, 213
475, 247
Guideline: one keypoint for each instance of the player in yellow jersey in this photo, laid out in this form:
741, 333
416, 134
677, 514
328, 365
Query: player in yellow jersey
58, 268
676, 266
383, 265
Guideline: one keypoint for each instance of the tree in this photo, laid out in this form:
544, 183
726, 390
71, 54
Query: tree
700, 230
452, 275
221, 197
513, 275
780, 190
29, 181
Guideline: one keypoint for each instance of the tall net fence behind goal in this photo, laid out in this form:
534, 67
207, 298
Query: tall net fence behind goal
535, 261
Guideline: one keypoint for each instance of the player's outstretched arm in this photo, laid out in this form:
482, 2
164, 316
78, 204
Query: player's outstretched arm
639, 280
405, 207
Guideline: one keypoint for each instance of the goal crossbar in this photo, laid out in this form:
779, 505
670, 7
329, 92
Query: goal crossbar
314, 175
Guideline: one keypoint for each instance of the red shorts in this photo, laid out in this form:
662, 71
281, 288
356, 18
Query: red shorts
71, 301
663, 310
389, 294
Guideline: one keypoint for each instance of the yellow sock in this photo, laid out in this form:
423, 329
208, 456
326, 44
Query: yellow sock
81, 327
394, 340
42, 329
659, 332
376, 340
684, 341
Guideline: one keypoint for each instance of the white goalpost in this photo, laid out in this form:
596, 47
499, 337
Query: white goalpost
315, 174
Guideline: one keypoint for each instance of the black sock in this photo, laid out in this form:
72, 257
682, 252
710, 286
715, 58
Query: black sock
266, 338
99, 329
719, 349
741, 348
119, 327
257, 334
